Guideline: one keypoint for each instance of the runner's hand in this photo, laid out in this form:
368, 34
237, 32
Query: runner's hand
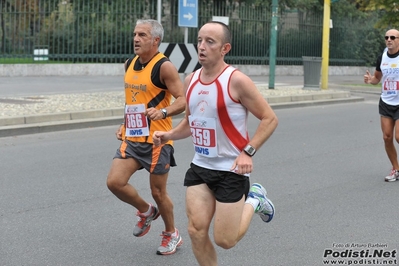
367, 77
118, 133
159, 137
243, 164
153, 114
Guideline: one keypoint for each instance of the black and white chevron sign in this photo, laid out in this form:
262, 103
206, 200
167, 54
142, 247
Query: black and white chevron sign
183, 56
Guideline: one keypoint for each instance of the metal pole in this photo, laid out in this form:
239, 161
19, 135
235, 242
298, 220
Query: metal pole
159, 10
273, 44
326, 45
75, 41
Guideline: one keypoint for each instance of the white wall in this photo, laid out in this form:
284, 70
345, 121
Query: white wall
12, 70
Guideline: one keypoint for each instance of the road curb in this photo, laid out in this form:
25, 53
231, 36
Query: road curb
315, 103
98, 118
25, 129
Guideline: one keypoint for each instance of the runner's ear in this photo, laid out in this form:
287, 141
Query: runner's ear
226, 48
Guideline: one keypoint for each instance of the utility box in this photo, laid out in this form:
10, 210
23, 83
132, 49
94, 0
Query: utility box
311, 72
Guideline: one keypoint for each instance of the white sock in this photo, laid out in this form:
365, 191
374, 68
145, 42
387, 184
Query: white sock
254, 202
147, 213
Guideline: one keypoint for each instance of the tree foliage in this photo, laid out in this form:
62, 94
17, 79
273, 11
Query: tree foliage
388, 11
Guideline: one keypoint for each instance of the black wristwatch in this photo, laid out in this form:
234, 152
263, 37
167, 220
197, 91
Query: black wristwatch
164, 112
250, 150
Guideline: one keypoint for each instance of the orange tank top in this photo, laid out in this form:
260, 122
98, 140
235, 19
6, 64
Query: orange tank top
140, 89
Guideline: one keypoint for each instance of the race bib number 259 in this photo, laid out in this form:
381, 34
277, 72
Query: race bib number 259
203, 133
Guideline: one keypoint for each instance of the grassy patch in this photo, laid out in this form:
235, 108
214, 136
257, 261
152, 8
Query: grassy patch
29, 60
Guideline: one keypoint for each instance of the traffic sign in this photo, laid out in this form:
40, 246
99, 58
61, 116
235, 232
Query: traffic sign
188, 13
183, 56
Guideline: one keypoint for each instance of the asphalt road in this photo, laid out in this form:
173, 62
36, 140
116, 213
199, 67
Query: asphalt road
323, 168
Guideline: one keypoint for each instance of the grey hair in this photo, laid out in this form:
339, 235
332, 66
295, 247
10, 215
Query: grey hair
156, 27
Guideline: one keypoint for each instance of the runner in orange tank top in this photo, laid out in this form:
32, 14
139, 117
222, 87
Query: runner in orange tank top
151, 81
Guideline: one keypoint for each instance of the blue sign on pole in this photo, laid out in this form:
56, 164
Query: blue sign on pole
188, 13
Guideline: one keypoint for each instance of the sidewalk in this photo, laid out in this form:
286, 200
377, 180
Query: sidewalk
34, 104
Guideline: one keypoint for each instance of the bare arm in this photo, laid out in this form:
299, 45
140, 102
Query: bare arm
170, 77
244, 90
181, 131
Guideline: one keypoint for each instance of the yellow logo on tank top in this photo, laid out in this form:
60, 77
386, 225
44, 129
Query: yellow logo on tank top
141, 87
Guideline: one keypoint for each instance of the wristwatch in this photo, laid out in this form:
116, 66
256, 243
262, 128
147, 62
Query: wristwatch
164, 112
250, 150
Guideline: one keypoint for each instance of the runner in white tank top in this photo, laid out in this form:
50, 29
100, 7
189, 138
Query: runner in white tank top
387, 71
229, 123
219, 98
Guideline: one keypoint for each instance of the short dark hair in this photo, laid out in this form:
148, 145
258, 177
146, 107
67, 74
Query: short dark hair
226, 31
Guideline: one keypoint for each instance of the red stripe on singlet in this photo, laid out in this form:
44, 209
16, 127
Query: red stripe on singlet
228, 127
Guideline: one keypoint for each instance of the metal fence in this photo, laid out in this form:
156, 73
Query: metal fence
100, 31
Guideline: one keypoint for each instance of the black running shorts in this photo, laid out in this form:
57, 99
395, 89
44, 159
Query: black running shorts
387, 110
156, 160
227, 186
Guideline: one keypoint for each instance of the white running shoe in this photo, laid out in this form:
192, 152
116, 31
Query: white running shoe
265, 208
169, 243
144, 222
393, 176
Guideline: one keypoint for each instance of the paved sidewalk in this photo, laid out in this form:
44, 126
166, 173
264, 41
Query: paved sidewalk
42, 104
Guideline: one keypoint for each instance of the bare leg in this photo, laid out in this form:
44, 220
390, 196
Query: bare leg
200, 207
117, 182
231, 222
387, 127
161, 197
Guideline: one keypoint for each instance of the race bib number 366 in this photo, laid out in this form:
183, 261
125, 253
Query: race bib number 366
136, 122
203, 133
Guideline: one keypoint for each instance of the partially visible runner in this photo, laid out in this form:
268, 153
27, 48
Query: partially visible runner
150, 82
387, 71
218, 187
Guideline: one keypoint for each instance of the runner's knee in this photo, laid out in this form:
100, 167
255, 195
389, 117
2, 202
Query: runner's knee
114, 184
224, 242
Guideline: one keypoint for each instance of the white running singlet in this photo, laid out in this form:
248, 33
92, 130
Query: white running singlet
390, 79
218, 123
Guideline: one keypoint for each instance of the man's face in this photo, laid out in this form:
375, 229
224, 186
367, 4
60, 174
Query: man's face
142, 39
210, 43
392, 45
